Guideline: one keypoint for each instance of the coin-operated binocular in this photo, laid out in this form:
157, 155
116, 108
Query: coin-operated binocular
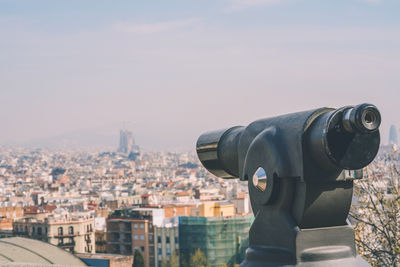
300, 169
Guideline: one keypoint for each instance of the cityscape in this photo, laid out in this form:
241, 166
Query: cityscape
117, 202
186, 133
105, 206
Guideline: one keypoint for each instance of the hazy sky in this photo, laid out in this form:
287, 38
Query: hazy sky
174, 69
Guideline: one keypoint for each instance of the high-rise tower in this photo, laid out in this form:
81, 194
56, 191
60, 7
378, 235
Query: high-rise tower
127, 142
393, 135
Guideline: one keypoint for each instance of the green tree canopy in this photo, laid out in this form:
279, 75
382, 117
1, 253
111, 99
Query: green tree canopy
138, 260
172, 261
198, 259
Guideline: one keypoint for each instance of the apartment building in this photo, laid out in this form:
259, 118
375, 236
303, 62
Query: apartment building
7, 215
166, 240
133, 229
74, 233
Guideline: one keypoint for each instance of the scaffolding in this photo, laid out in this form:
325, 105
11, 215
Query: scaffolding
223, 240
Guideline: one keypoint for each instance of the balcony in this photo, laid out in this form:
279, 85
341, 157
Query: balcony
125, 229
88, 239
65, 235
67, 245
115, 249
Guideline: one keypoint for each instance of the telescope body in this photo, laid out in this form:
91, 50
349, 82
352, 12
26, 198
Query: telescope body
300, 169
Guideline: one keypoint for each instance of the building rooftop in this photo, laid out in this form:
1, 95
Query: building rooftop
16, 250
130, 214
102, 256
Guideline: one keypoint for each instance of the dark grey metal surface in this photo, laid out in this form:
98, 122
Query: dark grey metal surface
294, 166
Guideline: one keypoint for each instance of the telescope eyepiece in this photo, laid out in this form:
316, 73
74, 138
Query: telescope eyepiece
364, 118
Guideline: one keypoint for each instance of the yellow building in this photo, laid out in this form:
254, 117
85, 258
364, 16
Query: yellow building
214, 209
224, 209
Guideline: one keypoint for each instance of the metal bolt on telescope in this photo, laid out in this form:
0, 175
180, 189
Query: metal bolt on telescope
300, 169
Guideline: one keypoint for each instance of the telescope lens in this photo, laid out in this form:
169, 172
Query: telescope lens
370, 119
364, 118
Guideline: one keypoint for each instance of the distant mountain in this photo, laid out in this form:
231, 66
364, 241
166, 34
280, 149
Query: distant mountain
82, 139
147, 136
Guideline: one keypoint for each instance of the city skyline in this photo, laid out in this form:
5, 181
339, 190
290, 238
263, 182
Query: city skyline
178, 69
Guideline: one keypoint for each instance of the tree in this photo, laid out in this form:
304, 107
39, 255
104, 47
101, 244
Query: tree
376, 213
198, 259
138, 260
165, 263
173, 261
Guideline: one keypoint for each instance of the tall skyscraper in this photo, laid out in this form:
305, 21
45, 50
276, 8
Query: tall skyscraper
393, 135
127, 142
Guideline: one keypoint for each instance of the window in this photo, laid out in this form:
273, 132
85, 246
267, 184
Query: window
142, 249
150, 237
176, 240
60, 230
33, 230
39, 231
159, 251
135, 237
87, 228
167, 240
141, 237
135, 226
60, 241
168, 251
71, 230
45, 230
26, 229
159, 239
142, 226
